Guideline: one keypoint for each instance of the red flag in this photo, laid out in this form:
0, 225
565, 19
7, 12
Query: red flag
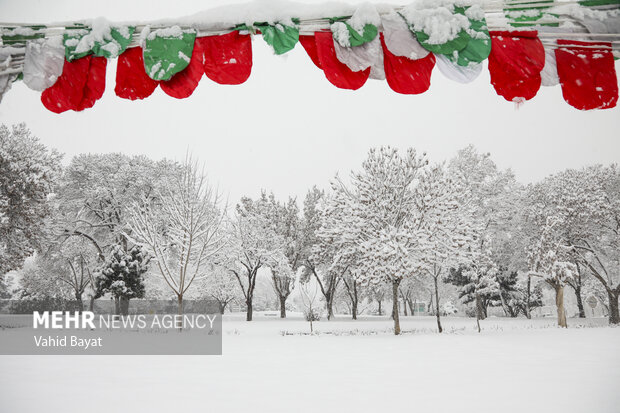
132, 82
228, 57
587, 75
336, 72
183, 84
81, 84
515, 63
309, 45
405, 75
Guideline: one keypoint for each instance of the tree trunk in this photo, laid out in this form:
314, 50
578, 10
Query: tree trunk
395, 284
91, 304
79, 303
559, 302
431, 310
329, 303
504, 304
282, 307
480, 310
117, 306
437, 305
614, 316
180, 311
405, 307
479, 314
354, 310
124, 303
380, 312
222, 306
582, 312
528, 313
411, 310
248, 314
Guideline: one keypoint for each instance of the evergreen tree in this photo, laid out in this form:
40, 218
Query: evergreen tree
122, 275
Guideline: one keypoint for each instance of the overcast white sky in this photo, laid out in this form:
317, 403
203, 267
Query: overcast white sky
288, 128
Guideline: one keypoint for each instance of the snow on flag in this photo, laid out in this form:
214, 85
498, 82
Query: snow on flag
350, 45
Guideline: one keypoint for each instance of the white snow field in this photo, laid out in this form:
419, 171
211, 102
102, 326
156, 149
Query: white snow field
270, 365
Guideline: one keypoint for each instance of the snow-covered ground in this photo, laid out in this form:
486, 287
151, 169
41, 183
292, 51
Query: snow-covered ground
514, 365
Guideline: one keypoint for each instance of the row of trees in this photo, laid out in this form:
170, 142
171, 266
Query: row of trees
400, 229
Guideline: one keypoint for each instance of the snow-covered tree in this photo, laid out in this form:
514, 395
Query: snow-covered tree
28, 173
5, 293
309, 297
219, 286
493, 198
509, 294
550, 260
319, 257
586, 205
379, 221
122, 276
288, 226
377, 293
352, 289
65, 270
182, 228
38, 279
97, 191
450, 232
528, 296
255, 244
482, 286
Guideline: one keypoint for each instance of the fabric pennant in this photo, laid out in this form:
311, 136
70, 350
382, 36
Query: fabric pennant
447, 48
95, 83
587, 75
102, 40
515, 63
183, 84
478, 47
399, 40
167, 52
336, 72
406, 76
71, 41
377, 70
117, 42
227, 57
460, 74
81, 84
132, 82
438, 27
43, 62
309, 45
549, 74
280, 37
359, 57
359, 29
347, 36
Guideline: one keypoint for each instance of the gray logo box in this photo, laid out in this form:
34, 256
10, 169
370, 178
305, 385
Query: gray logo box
144, 327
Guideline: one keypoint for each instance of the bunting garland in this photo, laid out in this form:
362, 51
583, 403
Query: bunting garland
545, 43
